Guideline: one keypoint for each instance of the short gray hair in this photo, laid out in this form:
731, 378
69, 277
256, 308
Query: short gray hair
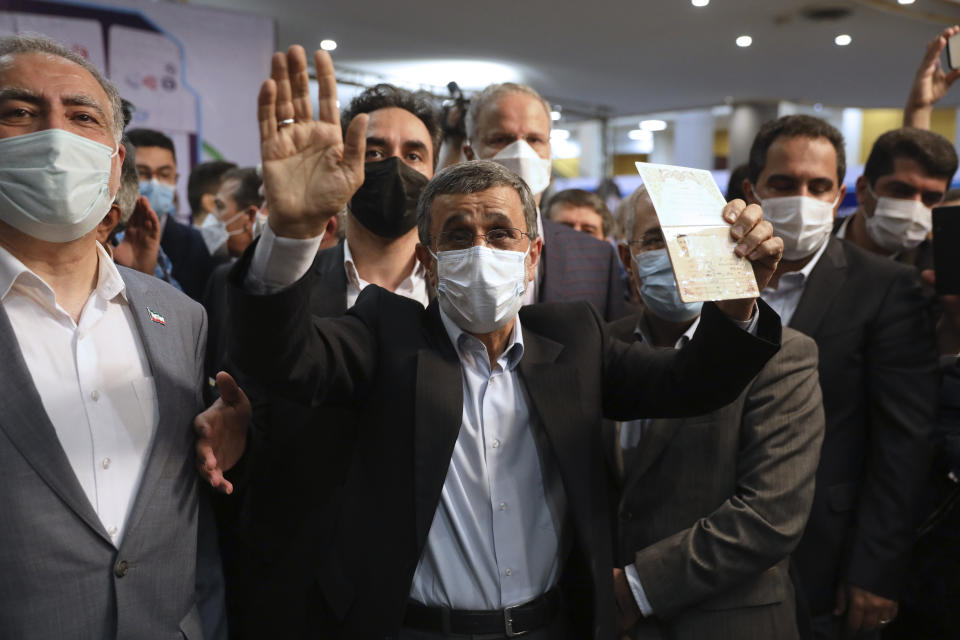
129, 190
627, 212
490, 95
474, 177
34, 43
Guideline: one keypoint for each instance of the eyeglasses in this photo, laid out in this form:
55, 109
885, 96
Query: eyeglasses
506, 238
647, 244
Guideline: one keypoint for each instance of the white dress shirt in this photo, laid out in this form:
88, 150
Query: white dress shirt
94, 381
785, 298
495, 537
414, 286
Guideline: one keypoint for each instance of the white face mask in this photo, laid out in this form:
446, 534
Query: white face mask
802, 222
54, 185
215, 234
519, 157
481, 289
898, 225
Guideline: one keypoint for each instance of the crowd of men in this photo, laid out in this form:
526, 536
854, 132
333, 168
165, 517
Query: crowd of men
379, 386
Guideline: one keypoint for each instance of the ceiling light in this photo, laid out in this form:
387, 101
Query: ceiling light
554, 115
643, 140
328, 45
744, 41
653, 125
699, 3
843, 40
905, 1
559, 134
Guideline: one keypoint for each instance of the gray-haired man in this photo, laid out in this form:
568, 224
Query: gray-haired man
102, 372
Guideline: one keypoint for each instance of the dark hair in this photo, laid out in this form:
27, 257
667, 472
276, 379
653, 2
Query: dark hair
930, 150
384, 96
151, 138
794, 127
582, 198
205, 178
735, 184
473, 177
248, 186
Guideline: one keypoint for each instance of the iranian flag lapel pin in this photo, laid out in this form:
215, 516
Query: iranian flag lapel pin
156, 317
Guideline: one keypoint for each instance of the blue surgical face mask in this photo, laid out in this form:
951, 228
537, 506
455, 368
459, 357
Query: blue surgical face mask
159, 194
658, 288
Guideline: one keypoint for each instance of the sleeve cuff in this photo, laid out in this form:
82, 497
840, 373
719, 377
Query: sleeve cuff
279, 262
750, 326
637, 589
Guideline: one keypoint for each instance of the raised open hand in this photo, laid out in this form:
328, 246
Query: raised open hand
310, 170
930, 83
141, 239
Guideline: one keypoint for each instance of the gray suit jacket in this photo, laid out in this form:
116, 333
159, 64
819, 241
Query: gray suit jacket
62, 577
713, 505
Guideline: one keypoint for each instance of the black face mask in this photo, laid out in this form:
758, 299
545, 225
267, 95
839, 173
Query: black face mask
386, 202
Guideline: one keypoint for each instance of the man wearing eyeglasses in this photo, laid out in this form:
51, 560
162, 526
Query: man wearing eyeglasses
475, 503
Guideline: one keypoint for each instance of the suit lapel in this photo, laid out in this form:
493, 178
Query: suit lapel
438, 416
656, 436
26, 424
553, 389
156, 340
329, 295
822, 286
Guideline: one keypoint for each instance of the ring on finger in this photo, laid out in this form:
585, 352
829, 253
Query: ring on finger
883, 622
285, 122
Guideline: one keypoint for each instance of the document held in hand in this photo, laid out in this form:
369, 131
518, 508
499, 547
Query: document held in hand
690, 206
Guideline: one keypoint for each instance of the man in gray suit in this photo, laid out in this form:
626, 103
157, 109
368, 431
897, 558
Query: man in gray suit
712, 506
101, 371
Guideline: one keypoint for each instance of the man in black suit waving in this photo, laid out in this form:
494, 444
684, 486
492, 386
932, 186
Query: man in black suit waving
477, 482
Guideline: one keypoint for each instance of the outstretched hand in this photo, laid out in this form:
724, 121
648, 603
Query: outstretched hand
222, 433
930, 83
310, 170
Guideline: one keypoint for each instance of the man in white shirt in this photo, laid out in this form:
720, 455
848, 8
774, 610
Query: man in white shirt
102, 371
878, 374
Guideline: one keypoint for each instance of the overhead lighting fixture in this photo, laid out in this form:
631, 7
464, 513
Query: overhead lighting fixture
559, 134
842, 40
699, 3
554, 115
643, 140
744, 41
328, 45
653, 125
905, 1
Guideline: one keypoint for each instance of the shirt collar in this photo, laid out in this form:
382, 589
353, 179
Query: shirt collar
642, 331
462, 341
799, 277
354, 276
12, 270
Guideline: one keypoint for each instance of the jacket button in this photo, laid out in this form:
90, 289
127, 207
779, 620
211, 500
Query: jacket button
626, 516
120, 569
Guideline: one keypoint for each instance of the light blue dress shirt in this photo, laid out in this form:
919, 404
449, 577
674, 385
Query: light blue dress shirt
495, 540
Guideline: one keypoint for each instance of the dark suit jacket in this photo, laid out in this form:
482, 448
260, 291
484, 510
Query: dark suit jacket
713, 505
192, 262
878, 373
392, 360
575, 266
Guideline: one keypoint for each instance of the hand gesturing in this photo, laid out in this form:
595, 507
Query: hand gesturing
309, 170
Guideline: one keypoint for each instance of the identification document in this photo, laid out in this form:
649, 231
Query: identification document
690, 206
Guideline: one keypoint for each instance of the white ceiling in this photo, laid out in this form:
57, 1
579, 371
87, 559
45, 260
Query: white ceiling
641, 56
